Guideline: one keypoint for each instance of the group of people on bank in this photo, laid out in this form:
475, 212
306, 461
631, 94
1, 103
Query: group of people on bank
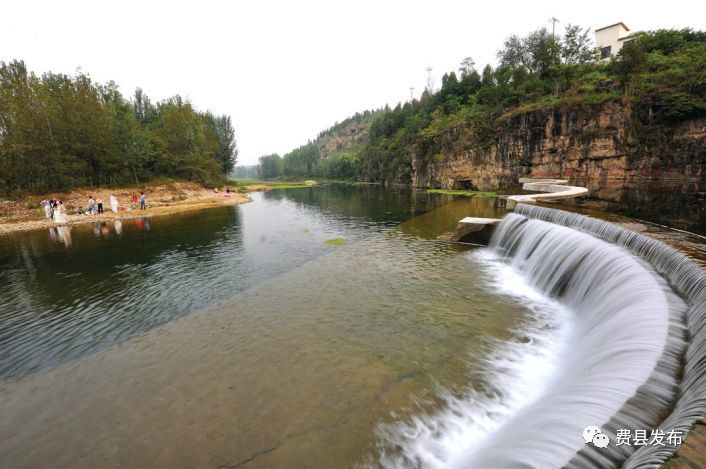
96, 205
55, 209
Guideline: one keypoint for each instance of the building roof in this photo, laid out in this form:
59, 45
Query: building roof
610, 26
629, 36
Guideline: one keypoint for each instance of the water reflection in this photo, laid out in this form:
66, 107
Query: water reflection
294, 371
143, 224
679, 203
61, 234
59, 303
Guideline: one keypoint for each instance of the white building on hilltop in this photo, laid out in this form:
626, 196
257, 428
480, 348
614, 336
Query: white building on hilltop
610, 39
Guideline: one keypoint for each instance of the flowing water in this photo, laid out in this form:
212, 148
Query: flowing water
238, 333
324, 327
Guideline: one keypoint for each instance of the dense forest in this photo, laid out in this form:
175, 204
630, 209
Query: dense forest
58, 132
317, 159
306, 162
660, 75
246, 172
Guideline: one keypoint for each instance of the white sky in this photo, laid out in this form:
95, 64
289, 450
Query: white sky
286, 70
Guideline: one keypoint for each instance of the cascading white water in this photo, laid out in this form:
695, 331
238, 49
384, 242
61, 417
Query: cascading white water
613, 359
621, 321
684, 402
514, 374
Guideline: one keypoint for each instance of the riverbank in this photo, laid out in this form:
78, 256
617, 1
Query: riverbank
26, 213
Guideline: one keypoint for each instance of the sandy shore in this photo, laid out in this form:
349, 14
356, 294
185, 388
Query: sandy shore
27, 213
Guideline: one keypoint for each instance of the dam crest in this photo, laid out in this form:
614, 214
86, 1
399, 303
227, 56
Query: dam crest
617, 340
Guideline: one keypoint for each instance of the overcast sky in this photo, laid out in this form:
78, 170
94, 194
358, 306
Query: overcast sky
284, 70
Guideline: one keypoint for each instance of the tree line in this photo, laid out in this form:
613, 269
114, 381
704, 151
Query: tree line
58, 132
307, 162
659, 75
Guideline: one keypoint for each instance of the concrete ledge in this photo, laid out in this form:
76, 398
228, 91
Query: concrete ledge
472, 230
547, 180
554, 190
480, 221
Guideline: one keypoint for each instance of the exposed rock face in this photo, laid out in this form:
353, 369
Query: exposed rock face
626, 165
347, 138
596, 147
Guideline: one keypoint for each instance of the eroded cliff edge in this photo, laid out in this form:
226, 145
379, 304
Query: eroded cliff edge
629, 163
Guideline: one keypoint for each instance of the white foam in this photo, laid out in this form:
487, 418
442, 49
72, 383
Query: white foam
579, 364
514, 374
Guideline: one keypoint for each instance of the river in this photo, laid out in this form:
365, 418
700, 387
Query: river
288, 330
314, 327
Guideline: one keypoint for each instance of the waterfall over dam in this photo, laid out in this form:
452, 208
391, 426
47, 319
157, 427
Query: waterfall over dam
621, 345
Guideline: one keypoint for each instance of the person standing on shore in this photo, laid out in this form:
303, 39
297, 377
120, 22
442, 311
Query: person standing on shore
52, 207
113, 203
60, 213
135, 200
100, 205
143, 201
47, 208
91, 205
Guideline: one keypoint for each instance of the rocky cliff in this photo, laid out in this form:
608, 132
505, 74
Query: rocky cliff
598, 147
627, 163
347, 136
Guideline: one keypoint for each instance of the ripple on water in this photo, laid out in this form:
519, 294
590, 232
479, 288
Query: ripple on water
298, 367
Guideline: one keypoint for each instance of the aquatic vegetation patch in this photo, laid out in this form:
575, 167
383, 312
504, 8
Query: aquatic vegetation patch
462, 192
290, 186
336, 241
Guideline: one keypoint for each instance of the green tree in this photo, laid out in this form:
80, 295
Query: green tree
536, 53
488, 77
60, 131
270, 166
576, 46
468, 66
246, 172
142, 106
227, 149
301, 161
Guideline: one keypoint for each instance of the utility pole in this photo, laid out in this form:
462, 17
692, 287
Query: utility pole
430, 82
554, 22
411, 94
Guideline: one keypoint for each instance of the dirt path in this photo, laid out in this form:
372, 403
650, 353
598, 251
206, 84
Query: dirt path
28, 214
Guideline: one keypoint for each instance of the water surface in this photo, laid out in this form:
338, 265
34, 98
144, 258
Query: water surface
236, 335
